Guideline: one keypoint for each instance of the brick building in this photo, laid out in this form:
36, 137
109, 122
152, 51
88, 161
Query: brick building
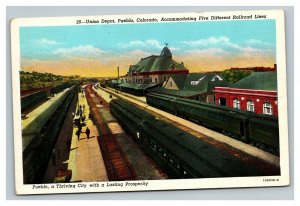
256, 92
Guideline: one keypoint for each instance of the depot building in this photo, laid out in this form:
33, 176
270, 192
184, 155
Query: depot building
151, 71
256, 93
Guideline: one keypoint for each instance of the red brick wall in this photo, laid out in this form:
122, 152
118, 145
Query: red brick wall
259, 97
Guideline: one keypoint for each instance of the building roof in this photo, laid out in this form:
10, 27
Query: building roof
166, 52
179, 93
179, 80
193, 84
201, 82
136, 86
258, 81
154, 63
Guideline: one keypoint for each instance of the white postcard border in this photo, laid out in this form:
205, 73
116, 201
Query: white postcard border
283, 179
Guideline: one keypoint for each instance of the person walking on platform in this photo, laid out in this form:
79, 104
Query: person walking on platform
78, 134
87, 131
82, 118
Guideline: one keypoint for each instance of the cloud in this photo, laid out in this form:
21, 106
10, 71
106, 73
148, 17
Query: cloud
211, 42
206, 52
147, 45
82, 51
256, 42
152, 43
138, 53
46, 42
218, 45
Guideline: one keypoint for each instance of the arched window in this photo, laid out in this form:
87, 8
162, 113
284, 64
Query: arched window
250, 106
267, 108
236, 104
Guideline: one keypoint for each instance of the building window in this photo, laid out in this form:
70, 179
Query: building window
171, 83
165, 78
236, 104
155, 80
150, 79
250, 106
267, 108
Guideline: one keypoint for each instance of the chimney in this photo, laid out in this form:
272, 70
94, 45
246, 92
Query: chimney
118, 72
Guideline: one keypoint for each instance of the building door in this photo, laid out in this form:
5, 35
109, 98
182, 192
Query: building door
222, 101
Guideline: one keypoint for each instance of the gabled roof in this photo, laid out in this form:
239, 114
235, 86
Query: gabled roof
203, 82
179, 80
193, 84
258, 81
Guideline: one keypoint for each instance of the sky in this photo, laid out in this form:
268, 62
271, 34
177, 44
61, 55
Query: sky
97, 50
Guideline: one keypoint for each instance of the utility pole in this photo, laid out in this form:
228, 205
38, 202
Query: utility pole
118, 72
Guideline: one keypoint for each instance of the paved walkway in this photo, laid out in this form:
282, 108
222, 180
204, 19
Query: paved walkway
36, 112
140, 98
85, 158
104, 95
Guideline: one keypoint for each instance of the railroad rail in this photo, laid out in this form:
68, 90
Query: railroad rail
235, 147
117, 165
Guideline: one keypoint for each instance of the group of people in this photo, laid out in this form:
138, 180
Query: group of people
87, 132
78, 120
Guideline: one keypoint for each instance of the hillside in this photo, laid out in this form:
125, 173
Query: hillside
34, 80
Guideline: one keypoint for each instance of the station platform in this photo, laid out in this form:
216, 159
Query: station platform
138, 98
37, 111
104, 95
85, 158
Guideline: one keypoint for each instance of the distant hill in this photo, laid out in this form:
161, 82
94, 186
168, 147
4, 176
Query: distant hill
34, 80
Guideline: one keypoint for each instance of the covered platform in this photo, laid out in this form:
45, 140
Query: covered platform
136, 89
176, 93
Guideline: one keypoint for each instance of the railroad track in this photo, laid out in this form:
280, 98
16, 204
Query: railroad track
117, 165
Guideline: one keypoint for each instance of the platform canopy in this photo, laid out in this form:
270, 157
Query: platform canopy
135, 86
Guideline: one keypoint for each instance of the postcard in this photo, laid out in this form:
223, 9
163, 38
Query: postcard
149, 102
